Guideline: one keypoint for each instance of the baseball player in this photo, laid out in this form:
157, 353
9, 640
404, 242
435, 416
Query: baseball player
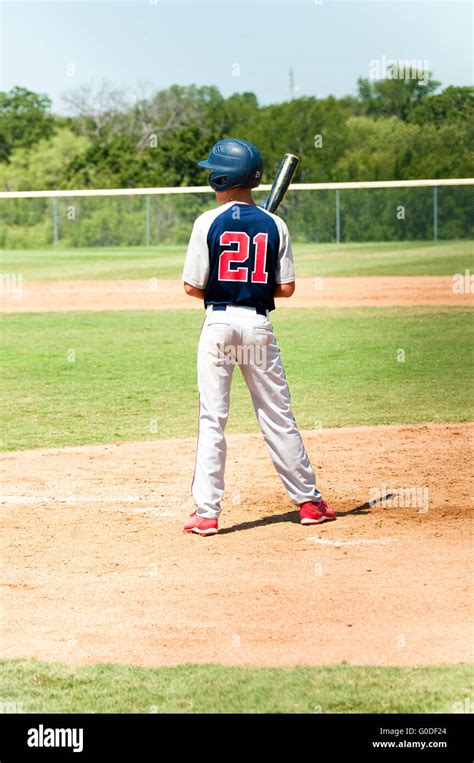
239, 259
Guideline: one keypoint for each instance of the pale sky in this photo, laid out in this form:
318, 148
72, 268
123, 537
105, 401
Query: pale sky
248, 45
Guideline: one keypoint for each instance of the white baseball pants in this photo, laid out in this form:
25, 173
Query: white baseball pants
239, 335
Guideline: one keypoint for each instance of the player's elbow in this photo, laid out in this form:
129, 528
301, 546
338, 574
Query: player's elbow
287, 289
188, 288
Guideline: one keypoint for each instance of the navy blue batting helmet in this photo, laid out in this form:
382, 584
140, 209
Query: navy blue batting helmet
234, 163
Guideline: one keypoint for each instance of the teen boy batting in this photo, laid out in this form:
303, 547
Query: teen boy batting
238, 260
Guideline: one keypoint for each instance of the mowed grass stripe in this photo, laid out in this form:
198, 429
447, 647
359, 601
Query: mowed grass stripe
166, 261
53, 688
77, 378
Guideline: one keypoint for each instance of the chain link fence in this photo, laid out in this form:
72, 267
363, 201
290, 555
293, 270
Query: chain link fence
331, 215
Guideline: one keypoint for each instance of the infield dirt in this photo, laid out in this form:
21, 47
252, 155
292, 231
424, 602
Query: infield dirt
97, 569
368, 291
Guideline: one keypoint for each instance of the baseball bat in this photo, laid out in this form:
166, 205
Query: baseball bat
282, 180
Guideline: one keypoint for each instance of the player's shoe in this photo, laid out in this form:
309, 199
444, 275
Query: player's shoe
201, 525
315, 513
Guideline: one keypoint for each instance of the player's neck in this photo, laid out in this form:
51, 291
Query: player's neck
243, 195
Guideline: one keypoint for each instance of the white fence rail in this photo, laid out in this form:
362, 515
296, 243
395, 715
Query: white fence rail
70, 193
382, 210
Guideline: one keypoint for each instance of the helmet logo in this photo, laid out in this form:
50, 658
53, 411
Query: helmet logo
234, 164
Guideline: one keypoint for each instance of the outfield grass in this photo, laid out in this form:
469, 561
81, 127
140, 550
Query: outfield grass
393, 258
53, 688
134, 378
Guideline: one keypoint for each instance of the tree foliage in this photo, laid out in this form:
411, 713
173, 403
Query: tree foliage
394, 129
395, 95
455, 104
25, 119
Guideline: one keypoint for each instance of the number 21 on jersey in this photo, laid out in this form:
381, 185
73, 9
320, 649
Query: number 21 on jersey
230, 256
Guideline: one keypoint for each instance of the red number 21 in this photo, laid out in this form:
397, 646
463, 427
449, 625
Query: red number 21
229, 256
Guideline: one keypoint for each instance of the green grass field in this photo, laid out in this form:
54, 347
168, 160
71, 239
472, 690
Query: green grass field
54, 688
341, 366
342, 369
394, 258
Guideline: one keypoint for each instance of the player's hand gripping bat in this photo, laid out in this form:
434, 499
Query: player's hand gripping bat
282, 180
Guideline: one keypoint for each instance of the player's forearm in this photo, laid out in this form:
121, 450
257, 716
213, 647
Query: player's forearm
284, 290
192, 291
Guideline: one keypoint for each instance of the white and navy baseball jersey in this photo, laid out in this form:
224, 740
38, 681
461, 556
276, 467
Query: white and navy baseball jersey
237, 253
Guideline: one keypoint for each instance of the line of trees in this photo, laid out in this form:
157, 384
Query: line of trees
393, 129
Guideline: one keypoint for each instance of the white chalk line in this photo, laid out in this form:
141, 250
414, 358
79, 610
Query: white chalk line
19, 500
15, 500
155, 512
359, 542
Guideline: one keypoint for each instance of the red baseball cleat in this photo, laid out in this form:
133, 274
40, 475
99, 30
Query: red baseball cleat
315, 513
201, 525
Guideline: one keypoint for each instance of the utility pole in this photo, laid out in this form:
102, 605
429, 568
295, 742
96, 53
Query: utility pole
292, 84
